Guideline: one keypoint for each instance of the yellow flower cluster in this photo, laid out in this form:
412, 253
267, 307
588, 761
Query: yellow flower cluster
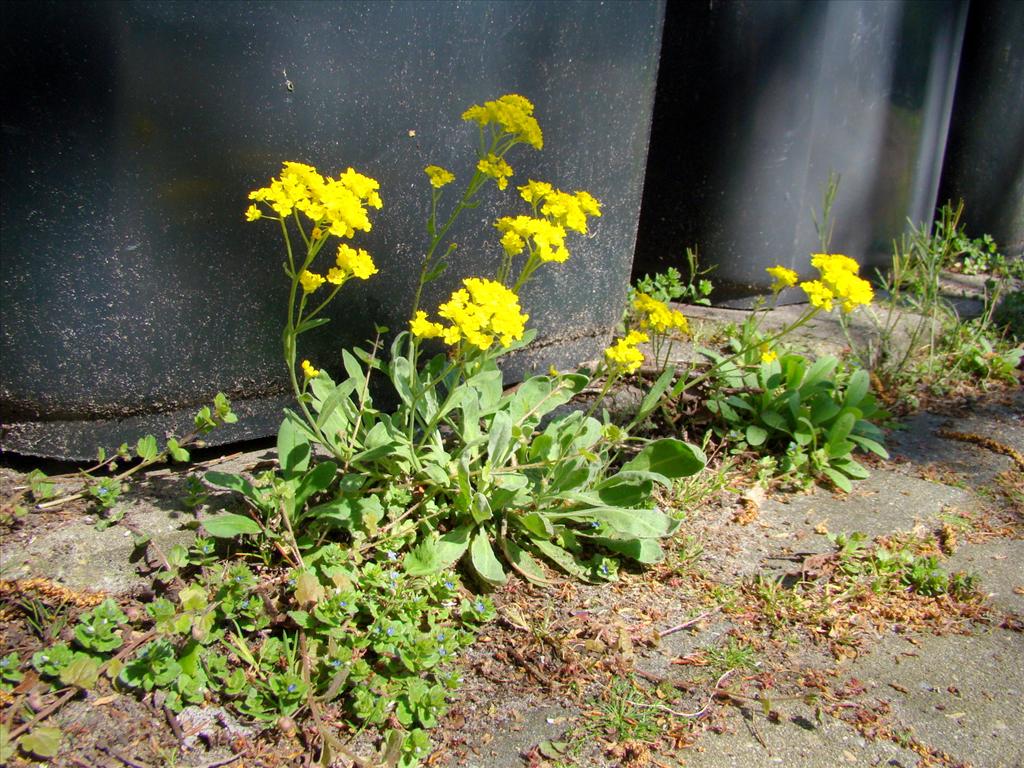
310, 280
496, 168
438, 176
513, 114
784, 278
351, 262
339, 205
546, 234
624, 356
657, 316
839, 282
547, 239
480, 312
768, 354
308, 370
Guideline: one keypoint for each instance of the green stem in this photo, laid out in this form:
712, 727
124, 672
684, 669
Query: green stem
684, 385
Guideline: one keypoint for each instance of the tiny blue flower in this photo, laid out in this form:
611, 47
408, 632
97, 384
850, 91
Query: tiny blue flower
449, 584
478, 607
440, 637
391, 631
292, 687
392, 555
442, 651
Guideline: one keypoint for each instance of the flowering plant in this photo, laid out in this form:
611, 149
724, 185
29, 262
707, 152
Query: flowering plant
770, 402
460, 470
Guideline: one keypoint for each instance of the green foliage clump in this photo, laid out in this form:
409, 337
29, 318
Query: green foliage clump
811, 416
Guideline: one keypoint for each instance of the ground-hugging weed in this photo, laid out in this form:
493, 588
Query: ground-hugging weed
811, 416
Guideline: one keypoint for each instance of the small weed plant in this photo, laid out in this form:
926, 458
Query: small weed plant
103, 483
810, 416
919, 341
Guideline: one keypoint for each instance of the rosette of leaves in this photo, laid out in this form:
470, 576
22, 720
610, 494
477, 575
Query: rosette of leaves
501, 481
807, 413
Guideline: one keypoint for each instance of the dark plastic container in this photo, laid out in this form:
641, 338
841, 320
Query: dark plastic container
131, 287
985, 155
758, 100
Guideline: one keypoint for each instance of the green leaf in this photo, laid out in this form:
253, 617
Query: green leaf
329, 406
756, 435
82, 672
229, 525
488, 386
563, 560
352, 367
669, 458
857, 388
232, 482
852, 468
523, 563
293, 449
535, 524
42, 741
6, 747
820, 371
642, 523
842, 482
645, 551
436, 554
146, 448
308, 325
500, 438
653, 397
175, 451
838, 433
484, 562
315, 481
775, 420
626, 489
870, 445
480, 508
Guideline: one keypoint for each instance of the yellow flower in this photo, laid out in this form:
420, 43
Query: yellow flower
768, 354
496, 168
570, 211
513, 114
439, 176
421, 327
479, 313
829, 262
657, 316
354, 262
339, 204
818, 294
839, 274
513, 243
547, 239
784, 278
623, 356
310, 280
308, 370
534, 191
252, 213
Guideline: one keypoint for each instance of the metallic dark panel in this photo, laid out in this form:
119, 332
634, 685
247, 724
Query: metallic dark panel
758, 100
130, 284
985, 155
